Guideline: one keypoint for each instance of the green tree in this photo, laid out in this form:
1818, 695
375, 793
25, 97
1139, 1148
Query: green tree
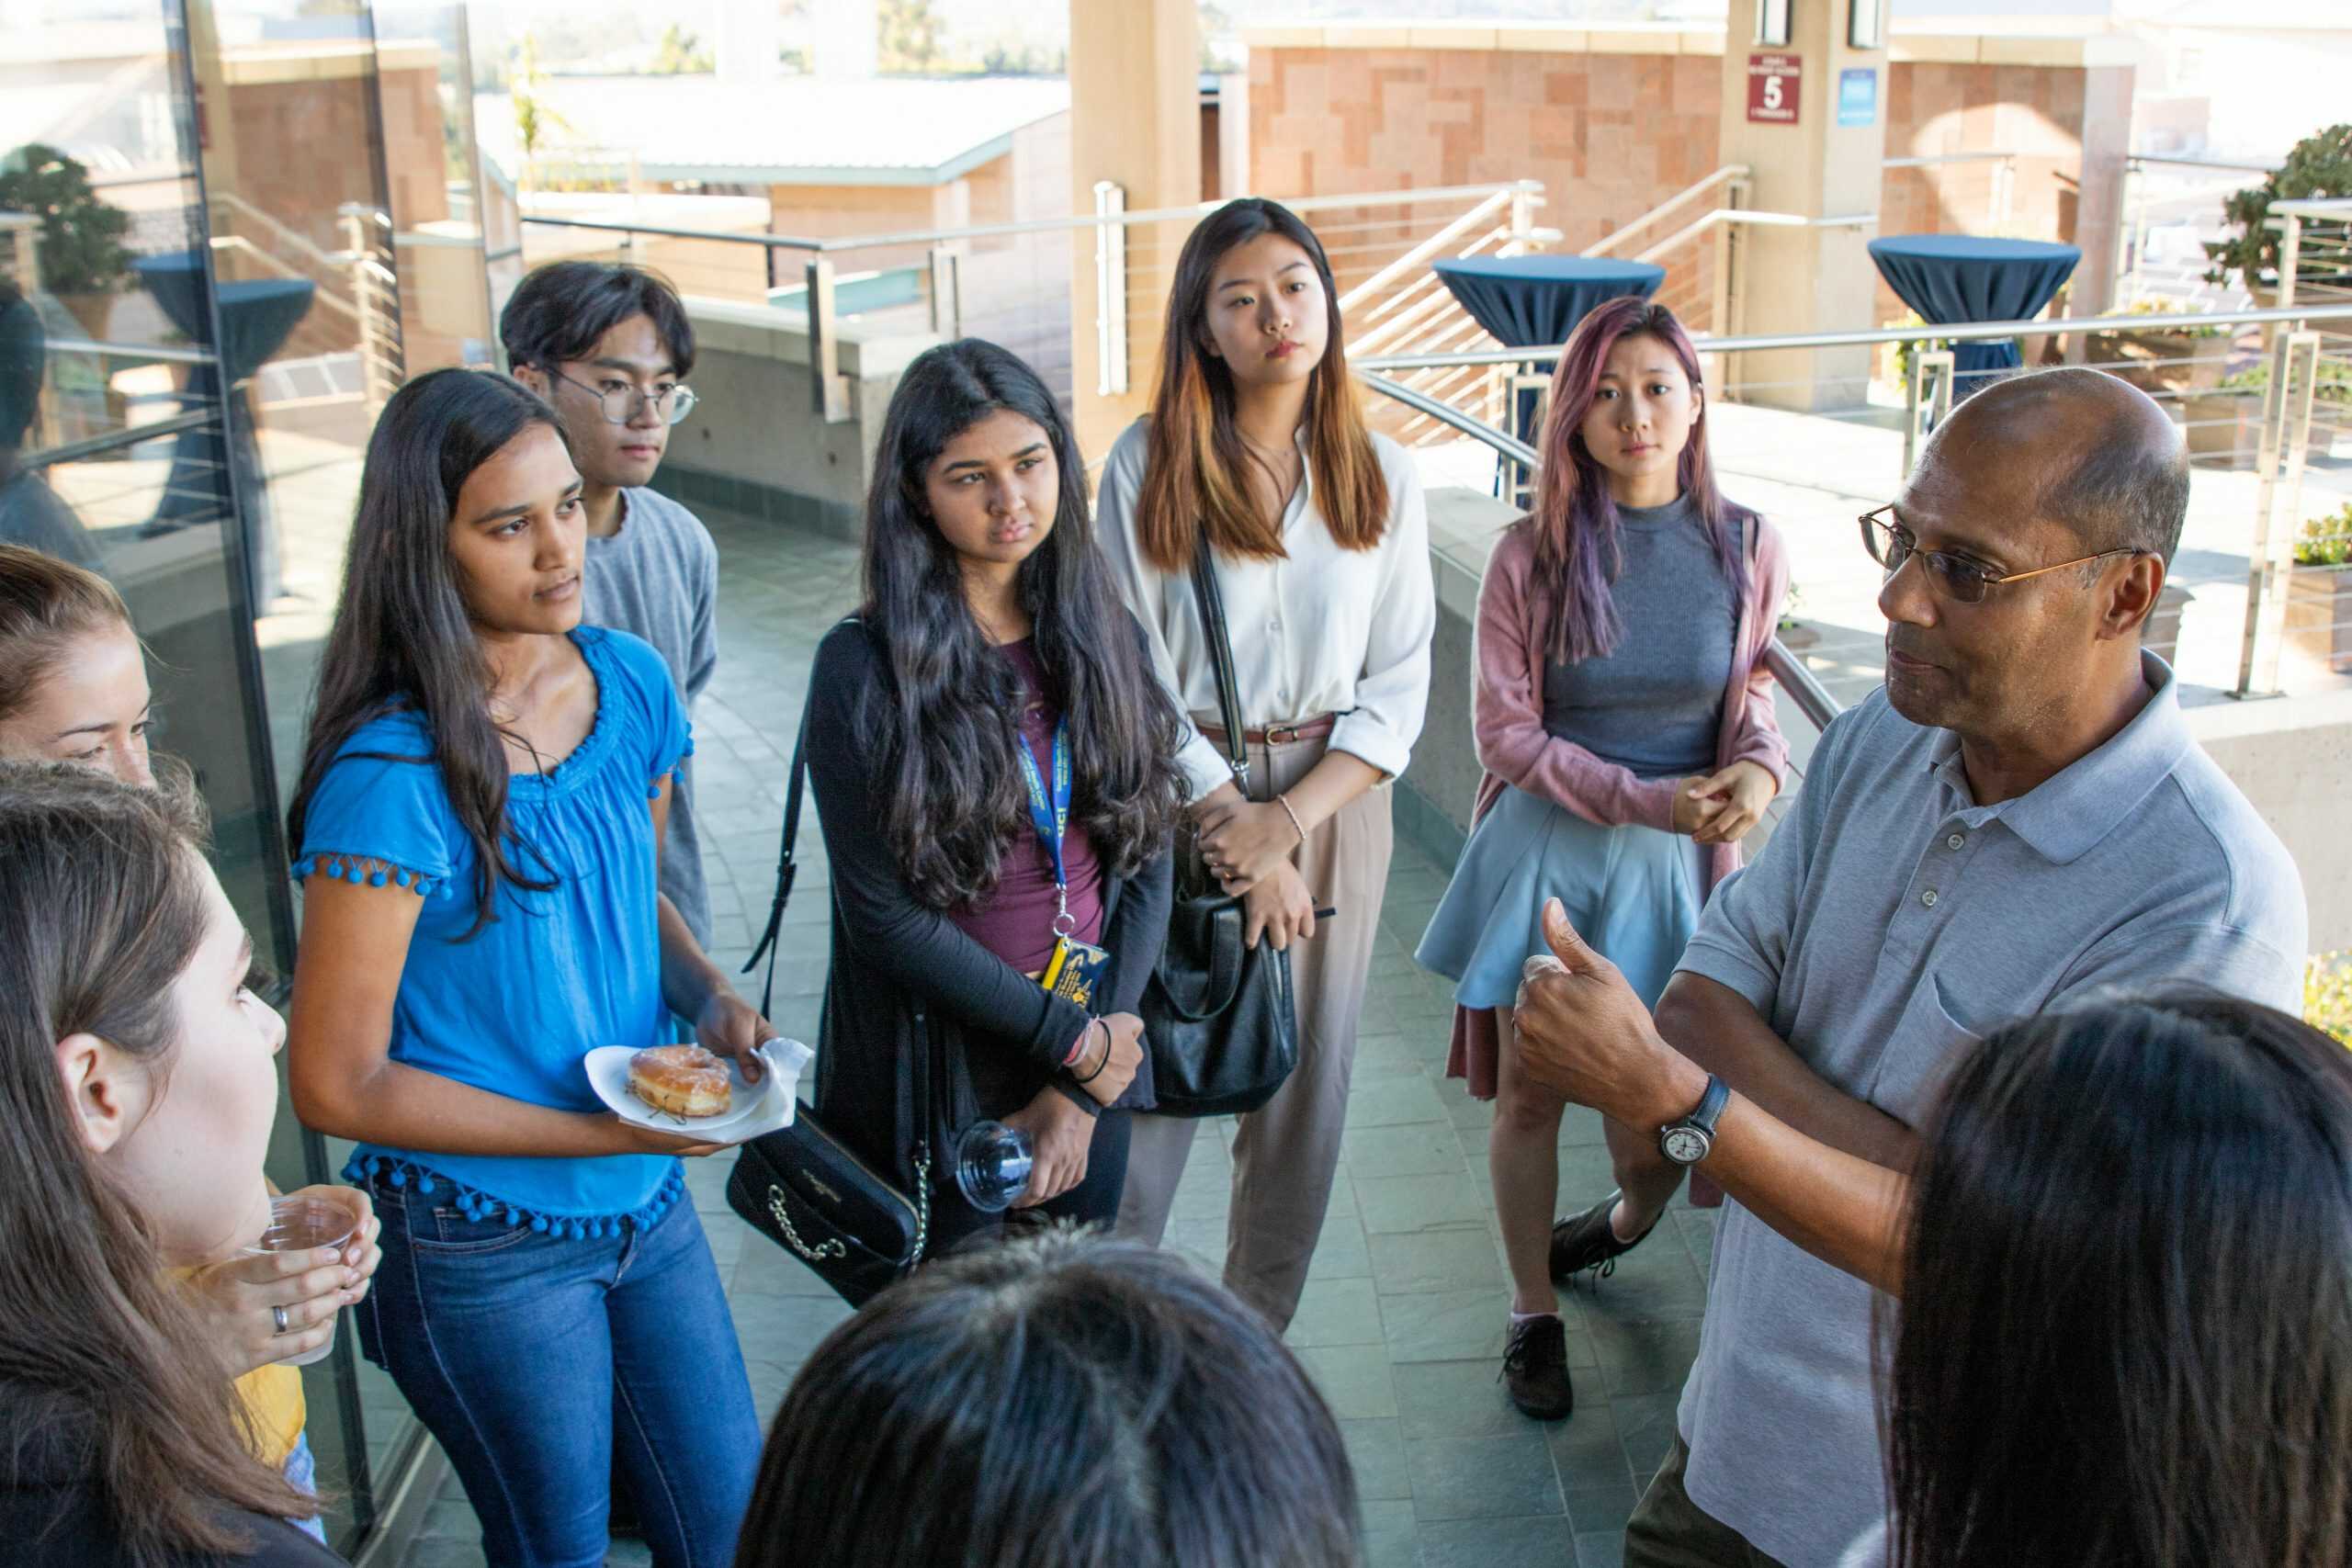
910, 37
681, 53
536, 119
2320, 165
80, 247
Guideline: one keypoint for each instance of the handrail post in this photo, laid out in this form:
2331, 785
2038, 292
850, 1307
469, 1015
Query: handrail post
375, 380
824, 343
1924, 409
1110, 288
1726, 257
2278, 463
946, 292
1523, 211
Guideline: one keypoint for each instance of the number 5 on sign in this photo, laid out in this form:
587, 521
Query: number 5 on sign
1774, 84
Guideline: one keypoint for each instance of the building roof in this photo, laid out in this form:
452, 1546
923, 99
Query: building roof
918, 130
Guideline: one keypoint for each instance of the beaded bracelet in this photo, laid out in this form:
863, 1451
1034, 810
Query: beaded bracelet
1283, 801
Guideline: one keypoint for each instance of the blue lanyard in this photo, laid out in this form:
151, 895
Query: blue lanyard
1051, 819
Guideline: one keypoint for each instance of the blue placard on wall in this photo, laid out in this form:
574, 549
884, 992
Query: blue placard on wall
1858, 96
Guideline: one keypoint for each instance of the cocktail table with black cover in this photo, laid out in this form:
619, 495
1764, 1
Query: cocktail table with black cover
1531, 301
1951, 279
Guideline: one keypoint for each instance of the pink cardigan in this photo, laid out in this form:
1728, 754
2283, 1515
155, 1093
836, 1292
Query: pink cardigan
1512, 637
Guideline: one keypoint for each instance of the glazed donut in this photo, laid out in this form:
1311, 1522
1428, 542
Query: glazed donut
684, 1081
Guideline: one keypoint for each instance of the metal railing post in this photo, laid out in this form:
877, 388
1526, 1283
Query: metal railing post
377, 378
1110, 288
1926, 401
2278, 463
824, 343
946, 292
1523, 211
1725, 294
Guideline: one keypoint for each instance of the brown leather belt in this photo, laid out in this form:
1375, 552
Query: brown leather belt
1280, 734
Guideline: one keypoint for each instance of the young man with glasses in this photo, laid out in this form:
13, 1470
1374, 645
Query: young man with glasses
2018, 819
609, 347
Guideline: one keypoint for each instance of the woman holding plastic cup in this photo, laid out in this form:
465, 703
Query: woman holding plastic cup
74, 689
136, 1098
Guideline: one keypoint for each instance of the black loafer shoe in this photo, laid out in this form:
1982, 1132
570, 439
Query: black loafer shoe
1585, 1241
1535, 1369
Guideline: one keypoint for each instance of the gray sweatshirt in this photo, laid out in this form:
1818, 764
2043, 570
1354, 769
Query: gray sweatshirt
657, 578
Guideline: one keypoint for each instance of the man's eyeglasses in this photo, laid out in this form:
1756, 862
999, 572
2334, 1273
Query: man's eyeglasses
1957, 578
621, 404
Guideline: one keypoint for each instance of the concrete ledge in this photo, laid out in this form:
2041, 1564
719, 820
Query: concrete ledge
2022, 48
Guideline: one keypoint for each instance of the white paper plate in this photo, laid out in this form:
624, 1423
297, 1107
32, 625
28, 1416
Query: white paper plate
758, 1108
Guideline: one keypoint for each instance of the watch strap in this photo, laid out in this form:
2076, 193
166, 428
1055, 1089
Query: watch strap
1711, 1106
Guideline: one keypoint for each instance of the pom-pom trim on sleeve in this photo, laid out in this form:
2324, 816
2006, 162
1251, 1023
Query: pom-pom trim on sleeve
368, 870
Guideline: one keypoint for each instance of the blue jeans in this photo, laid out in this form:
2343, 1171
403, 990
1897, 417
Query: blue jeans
535, 1359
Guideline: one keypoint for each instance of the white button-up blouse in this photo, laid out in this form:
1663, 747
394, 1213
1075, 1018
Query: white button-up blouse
1323, 630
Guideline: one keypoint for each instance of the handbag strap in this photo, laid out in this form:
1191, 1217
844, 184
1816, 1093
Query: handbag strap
1228, 691
794, 791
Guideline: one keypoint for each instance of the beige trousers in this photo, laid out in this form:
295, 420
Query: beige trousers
1284, 1152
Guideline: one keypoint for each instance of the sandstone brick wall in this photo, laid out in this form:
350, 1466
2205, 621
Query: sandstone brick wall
1612, 132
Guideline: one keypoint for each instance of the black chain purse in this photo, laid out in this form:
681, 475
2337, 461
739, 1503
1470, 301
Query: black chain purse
801, 1186
1219, 1015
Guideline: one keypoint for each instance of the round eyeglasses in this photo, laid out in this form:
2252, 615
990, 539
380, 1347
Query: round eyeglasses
1956, 577
620, 404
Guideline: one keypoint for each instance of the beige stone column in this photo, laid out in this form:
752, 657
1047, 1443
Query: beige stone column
1804, 162
1134, 120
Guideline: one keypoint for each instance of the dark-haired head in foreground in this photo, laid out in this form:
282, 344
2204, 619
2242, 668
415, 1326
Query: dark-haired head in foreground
1058, 1403
2126, 1329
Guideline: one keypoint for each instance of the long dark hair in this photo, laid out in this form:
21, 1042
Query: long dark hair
102, 907
402, 635
944, 727
2125, 1337
1197, 476
1575, 521
1055, 1403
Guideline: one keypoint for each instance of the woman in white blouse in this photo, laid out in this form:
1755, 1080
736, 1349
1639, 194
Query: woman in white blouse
1322, 548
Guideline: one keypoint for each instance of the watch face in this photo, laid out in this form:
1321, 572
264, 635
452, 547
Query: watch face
1684, 1146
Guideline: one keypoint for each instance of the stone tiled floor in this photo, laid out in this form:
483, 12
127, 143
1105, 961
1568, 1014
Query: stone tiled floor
1403, 1317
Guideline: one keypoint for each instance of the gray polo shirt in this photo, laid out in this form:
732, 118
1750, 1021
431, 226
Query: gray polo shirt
657, 579
1888, 925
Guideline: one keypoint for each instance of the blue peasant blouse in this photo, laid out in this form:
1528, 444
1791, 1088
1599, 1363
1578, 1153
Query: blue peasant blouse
514, 1008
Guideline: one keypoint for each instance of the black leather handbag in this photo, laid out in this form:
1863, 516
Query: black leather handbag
1219, 1015
801, 1186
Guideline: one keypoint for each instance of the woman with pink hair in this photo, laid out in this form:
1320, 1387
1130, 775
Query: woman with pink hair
1625, 721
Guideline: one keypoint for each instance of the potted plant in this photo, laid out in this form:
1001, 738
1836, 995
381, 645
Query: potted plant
83, 258
2320, 165
2319, 591
2227, 421
2163, 359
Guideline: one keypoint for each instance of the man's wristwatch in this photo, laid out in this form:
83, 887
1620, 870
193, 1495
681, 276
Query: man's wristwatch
1686, 1142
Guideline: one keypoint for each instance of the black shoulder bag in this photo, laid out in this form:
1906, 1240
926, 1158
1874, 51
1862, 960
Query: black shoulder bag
1223, 1027
801, 1186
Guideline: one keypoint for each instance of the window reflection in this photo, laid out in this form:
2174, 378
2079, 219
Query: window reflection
272, 214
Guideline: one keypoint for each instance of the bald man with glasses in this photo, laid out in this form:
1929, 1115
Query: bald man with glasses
2018, 818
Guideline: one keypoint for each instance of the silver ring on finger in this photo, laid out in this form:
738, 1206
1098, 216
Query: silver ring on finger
278, 1316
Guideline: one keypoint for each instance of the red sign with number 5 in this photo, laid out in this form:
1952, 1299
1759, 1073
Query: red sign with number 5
1772, 85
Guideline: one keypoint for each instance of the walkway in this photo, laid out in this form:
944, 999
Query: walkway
1402, 1322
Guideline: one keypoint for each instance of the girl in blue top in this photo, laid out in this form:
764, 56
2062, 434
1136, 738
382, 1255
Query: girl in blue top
482, 795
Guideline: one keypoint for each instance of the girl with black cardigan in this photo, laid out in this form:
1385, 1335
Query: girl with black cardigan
990, 627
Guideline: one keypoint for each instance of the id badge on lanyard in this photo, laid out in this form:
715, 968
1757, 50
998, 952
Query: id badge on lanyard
1075, 966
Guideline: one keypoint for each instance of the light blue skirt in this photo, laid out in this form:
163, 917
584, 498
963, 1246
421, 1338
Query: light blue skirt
1634, 893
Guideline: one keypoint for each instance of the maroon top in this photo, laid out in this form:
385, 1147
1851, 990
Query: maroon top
1016, 920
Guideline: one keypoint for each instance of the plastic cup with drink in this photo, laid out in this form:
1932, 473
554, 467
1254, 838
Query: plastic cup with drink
308, 1224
